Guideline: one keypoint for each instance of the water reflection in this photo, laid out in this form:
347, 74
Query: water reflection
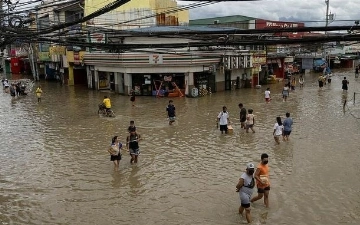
55, 168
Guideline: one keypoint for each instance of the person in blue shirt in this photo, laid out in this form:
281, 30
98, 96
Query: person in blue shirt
287, 123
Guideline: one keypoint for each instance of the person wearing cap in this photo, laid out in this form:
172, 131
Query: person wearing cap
245, 188
262, 180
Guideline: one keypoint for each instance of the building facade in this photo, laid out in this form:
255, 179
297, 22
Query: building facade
177, 71
137, 14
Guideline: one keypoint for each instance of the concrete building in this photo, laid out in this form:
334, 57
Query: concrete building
137, 14
152, 72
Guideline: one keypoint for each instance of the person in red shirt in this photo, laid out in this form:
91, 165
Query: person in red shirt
262, 180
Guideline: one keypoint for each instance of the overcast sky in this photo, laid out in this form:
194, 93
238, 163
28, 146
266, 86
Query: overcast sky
286, 10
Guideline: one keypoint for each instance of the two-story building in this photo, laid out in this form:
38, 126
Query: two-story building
55, 61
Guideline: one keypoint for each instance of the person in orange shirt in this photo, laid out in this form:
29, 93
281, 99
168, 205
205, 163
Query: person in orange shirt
262, 180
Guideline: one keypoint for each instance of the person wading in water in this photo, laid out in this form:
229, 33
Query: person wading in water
132, 143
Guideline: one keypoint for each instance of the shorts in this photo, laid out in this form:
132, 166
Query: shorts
172, 118
223, 128
262, 190
132, 98
287, 133
134, 151
115, 157
244, 200
108, 109
249, 126
267, 99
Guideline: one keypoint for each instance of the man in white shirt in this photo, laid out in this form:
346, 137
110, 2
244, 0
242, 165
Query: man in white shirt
267, 95
223, 118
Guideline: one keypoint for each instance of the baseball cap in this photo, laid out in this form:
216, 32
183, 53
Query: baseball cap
250, 166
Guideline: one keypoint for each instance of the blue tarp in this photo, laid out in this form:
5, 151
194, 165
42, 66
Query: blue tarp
319, 62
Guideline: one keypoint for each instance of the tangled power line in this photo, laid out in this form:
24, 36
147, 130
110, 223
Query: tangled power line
14, 27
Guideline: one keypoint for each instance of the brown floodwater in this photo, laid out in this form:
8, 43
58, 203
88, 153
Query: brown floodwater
55, 168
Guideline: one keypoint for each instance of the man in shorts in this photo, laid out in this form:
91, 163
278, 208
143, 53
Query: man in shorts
262, 180
132, 144
223, 119
245, 188
242, 116
288, 122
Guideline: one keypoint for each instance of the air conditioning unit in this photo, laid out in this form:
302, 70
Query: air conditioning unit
234, 62
226, 62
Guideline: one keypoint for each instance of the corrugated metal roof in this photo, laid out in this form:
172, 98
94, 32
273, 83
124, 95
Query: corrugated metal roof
179, 29
220, 20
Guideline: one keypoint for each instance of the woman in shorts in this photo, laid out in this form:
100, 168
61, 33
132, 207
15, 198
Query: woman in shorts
115, 154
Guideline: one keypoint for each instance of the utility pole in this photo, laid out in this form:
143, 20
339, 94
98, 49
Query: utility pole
327, 2
1, 39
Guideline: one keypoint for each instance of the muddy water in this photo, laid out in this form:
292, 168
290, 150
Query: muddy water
55, 169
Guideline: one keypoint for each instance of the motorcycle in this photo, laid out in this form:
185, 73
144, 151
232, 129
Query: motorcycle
105, 112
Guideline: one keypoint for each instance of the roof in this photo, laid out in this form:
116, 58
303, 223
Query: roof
221, 20
179, 29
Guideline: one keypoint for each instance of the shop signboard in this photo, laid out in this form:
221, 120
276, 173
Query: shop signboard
258, 58
263, 24
289, 60
57, 50
97, 38
44, 56
156, 59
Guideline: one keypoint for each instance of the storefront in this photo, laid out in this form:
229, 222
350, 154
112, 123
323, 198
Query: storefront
205, 82
148, 74
158, 84
104, 80
276, 65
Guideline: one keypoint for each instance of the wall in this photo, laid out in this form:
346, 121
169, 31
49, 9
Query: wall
135, 9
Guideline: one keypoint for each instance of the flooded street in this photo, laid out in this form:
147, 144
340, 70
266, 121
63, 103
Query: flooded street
55, 168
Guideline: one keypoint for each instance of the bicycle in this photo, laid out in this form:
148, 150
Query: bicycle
103, 111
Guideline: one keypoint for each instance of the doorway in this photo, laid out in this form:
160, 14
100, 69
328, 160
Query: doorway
227, 80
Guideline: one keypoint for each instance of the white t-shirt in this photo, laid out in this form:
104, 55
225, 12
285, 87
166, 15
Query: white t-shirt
250, 119
278, 129
223, 116
267, 94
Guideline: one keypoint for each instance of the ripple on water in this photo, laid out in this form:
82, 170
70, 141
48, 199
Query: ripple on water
55, 168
